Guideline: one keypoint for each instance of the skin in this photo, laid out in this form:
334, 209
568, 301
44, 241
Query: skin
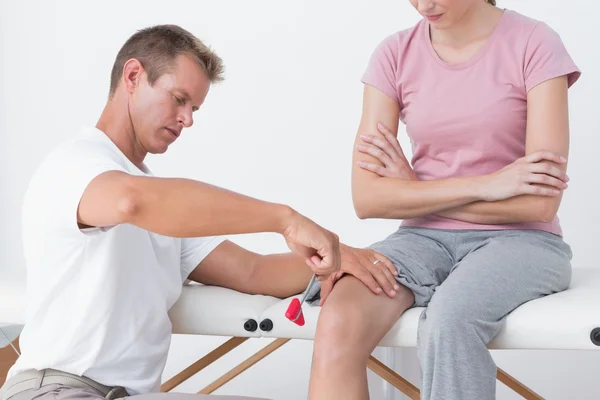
384, 185
142, 118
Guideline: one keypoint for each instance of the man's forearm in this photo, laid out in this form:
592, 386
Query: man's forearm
280, 275
187, 208
401, 199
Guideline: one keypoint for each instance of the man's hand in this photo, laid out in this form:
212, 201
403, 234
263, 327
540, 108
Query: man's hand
319, 247
373, 269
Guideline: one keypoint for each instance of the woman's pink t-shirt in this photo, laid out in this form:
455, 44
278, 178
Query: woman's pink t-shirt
468, 119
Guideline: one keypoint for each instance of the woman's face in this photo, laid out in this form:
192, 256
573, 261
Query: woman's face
442, 14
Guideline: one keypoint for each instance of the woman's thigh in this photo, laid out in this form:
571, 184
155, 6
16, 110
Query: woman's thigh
502, 273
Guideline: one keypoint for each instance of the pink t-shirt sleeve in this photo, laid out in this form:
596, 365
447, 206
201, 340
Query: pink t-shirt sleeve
546, 57
382, 68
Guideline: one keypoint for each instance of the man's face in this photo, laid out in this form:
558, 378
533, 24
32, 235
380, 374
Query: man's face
161, 111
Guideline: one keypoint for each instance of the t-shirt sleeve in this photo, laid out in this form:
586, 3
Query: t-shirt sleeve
63, 178
546, 57
381, 69
194, 250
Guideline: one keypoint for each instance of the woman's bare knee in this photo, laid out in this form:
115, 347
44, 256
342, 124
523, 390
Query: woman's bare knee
353, 320
340, 333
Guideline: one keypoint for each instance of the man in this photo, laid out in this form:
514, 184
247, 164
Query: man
108, 245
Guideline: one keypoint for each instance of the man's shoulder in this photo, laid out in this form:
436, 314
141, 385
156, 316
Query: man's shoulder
71, 158
68, 164
86, 140
86, 144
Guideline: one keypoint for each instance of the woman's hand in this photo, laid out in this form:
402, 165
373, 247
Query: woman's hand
373, 269
535, 174
389, 152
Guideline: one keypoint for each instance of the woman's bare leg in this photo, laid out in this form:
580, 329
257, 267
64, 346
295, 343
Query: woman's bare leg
351, 324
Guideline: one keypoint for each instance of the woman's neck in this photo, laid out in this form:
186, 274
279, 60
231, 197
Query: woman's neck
476, 23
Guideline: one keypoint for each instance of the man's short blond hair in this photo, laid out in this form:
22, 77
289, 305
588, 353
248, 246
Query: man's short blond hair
157, 47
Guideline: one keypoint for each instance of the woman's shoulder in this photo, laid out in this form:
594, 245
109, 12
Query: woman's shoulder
398, 41
520, 19
523, 26
544, 55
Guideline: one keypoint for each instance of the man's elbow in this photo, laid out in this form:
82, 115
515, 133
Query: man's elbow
130, 202
253, 282
112, 198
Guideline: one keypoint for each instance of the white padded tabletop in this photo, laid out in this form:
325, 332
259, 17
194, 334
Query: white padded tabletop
211, 310
201, 310
559, 321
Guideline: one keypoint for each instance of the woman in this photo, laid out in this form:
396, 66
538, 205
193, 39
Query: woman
483, 94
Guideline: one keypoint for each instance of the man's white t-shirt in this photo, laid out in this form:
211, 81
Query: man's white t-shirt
97, 298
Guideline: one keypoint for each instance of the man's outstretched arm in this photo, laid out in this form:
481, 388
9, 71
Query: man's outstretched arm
176, 207
180, 207
230, 265
285, 275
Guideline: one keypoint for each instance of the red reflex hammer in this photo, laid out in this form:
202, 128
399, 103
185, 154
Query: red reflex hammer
294, 310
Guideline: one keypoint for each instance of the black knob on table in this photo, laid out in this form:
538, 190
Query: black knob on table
595, 336
266, 325
250, 325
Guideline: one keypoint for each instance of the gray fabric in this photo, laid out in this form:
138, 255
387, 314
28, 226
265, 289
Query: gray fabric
33, 380
470, 281
57, 385
60, 392
185, 396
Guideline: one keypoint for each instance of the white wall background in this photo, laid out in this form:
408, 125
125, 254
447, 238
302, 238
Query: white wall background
281, 128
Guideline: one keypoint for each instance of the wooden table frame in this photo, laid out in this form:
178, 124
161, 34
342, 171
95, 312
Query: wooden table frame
374, 365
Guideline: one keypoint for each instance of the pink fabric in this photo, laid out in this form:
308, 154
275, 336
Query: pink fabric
468, 119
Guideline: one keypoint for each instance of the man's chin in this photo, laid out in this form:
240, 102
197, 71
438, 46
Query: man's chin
160, 148
161, 151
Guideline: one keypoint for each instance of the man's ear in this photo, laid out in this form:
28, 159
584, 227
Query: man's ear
132, 73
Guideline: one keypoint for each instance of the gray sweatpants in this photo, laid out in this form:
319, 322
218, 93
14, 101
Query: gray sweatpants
469, 281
